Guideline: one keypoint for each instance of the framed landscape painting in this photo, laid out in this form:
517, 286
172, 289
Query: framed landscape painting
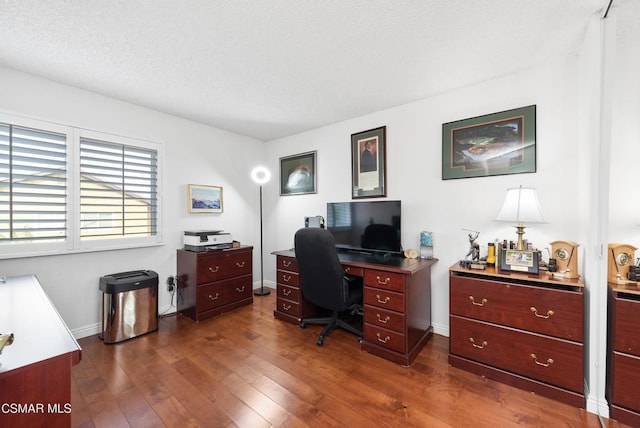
204, 199
494, 144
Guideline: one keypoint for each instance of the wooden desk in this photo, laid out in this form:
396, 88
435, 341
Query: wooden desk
396, 302
35, 371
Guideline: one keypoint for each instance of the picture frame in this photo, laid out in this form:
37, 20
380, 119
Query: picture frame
298, 174
369, 163
204, 199
520, 261
494, 144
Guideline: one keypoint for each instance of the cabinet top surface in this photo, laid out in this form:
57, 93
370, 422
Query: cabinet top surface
493, 273
39, 331
367, 261
225, 250
628, 287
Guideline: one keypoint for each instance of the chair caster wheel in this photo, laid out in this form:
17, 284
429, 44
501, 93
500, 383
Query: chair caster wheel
302, 325
319, 341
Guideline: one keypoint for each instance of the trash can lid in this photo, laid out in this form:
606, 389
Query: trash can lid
127, 281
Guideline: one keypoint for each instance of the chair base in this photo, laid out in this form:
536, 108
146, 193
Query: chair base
331, 323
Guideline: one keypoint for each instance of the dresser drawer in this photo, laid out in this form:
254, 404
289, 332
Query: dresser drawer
627, 330
554, 361
384, 299
288, 307
221, 265
386, 280
217, 294
287, 263
625, 377
386, 338
290, 293
383, 318
555, 312
287, 278
354, 271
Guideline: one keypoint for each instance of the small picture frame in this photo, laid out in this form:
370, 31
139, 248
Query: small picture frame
298, 174
369, 163
520, 261
204, 199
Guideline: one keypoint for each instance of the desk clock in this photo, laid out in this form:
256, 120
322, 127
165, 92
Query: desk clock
566, 255
619, 260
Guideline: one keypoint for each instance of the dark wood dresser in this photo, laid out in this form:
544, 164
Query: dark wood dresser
523, 330
213, 282
623, 353
35, 371
396, 301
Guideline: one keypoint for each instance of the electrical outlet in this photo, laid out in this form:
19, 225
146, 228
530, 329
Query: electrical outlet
171, 284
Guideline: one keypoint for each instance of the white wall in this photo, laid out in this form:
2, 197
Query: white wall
193, 153
414, 146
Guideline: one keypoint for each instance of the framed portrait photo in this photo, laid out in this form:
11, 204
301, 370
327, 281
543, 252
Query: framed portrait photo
204, 199
298, 174
494, 144
369, 163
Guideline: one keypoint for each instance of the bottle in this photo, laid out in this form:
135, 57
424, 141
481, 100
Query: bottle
491, 254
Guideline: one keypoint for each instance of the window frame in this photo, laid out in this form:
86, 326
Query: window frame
74, 244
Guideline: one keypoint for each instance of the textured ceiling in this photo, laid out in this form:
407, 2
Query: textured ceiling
268, 69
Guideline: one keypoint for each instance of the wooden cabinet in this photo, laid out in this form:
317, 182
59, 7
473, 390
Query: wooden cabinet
213, 282
623, 356
524, 330
35, 371
396, 301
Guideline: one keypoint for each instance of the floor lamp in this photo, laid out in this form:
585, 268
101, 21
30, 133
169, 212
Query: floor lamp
261, 175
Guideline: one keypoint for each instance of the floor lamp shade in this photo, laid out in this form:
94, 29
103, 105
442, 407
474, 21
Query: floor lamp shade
261, 175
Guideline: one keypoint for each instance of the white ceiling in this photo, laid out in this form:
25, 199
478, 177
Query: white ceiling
268, 69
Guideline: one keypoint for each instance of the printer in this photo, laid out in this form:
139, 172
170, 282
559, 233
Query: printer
206, 240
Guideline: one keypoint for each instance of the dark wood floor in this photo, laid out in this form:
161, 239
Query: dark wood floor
247, 369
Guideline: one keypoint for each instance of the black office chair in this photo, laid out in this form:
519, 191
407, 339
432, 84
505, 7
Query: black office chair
324, 282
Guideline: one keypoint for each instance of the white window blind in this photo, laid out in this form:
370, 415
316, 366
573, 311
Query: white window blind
33, 185
118, 190
339, 215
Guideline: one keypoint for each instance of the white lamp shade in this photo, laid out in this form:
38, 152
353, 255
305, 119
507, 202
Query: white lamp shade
521, 206
260, 175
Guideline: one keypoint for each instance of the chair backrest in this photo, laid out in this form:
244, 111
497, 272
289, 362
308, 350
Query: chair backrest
321, 273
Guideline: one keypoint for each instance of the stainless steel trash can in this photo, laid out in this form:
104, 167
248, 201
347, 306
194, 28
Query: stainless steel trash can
129, 305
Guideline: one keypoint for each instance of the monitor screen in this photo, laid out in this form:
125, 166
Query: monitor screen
369, 226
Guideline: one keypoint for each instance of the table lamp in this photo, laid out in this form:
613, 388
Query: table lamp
260, 175
521, 206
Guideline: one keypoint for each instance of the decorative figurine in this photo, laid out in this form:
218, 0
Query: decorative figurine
474, 247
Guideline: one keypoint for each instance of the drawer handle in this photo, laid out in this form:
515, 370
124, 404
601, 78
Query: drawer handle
286, 307
285, 292
240, 290
380, 339
475, 345
385, 301
385, 282
547, 364
535, 312
347, 268
214, 297
477, 304
383, 321
240, 264
212, 270
286, 278
286, 263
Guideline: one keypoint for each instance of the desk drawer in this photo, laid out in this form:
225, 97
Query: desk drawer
287, 263
383, 337
382, 279
627, 330
355, 271
217, 266
289, 293
382, 318
288, 278
555, 312
217, 294
554, 361
288, 307
384, 299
